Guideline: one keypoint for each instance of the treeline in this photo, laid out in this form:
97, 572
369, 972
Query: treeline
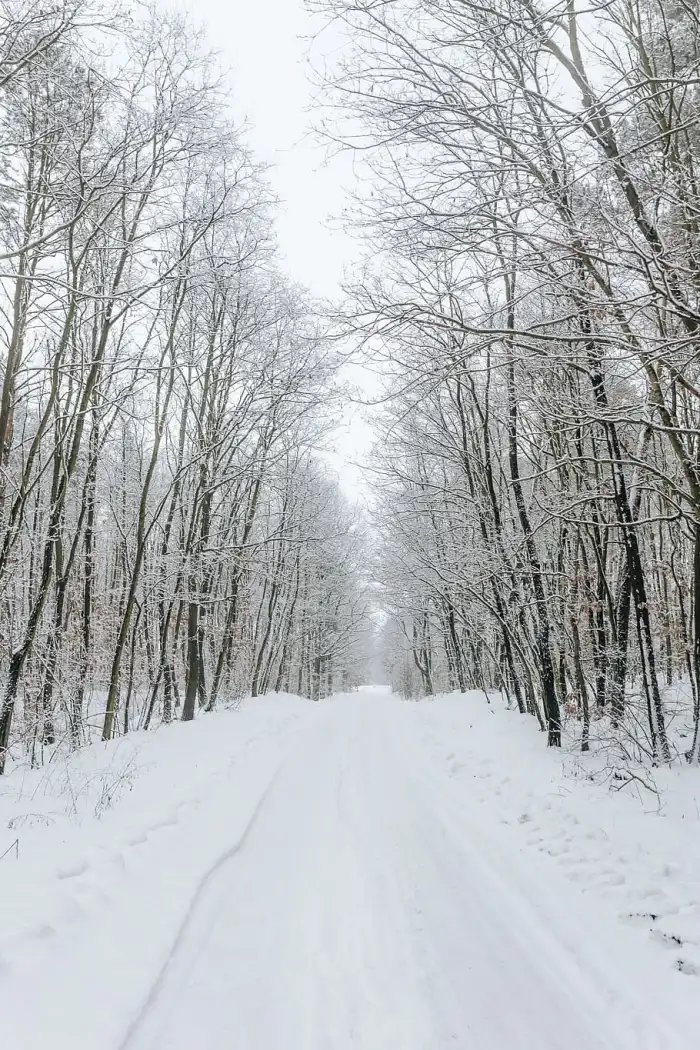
168, 536
532, 291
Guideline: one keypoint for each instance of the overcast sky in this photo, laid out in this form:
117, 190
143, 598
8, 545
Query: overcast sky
264, 42
265, 45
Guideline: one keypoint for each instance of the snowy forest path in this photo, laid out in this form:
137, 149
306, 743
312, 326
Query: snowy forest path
367, 906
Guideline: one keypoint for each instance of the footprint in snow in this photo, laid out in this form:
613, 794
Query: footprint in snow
662, 904
642, 919
118, 859
667, 940
612, 878
73, 871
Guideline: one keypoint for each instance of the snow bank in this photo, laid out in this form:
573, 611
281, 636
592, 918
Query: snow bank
115, 837
616, 838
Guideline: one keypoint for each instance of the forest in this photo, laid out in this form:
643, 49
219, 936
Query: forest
349, 524
531, 301
170, 534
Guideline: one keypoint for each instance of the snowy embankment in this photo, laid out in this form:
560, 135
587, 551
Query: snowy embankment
357, 873
121, 832
630, 835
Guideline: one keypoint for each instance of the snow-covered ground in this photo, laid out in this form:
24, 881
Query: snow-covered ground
358, 873
617, 830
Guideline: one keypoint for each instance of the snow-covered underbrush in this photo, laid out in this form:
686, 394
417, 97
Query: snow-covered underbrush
617, 825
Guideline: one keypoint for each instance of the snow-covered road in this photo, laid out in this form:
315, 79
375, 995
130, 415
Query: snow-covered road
367, 904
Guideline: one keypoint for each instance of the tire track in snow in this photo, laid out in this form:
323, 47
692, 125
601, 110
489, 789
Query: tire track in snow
379, 908
187, 924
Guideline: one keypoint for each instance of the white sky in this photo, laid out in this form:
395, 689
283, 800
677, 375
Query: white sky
265, 44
